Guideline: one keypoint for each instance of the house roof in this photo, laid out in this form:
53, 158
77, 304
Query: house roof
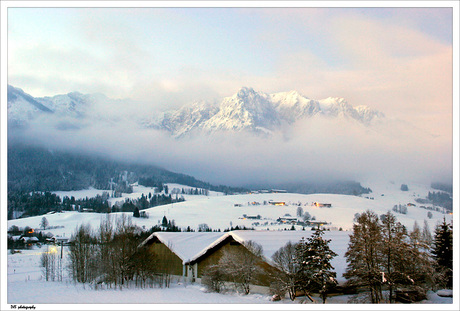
271, 241
190, 246
185, 245
30, 239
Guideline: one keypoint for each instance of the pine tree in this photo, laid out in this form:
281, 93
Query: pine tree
443, 252
136, 212
316, 272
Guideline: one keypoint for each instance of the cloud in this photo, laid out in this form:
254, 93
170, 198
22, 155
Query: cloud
386, 59
314, 150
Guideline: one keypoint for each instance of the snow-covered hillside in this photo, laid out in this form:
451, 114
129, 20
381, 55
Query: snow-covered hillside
220, 211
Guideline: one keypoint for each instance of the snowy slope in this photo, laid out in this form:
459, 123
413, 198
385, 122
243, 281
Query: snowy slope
219, 211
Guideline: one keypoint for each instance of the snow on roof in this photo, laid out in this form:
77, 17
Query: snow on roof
186, 244
208, 247
16, 237
190, 246
271, 241
30, 239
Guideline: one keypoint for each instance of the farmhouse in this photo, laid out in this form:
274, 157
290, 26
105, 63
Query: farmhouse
277, 203
287, 219
278, 191
317, 204
190, 254
29, 240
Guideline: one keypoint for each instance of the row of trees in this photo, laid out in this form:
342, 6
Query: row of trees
382, 254
39, 203
111, 256
34, 203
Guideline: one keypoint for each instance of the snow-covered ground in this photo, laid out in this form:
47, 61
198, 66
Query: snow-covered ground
26, 286
219, 211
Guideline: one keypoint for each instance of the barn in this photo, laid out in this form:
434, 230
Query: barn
190, 254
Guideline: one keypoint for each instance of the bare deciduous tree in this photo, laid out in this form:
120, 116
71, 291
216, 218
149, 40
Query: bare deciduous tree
285, 280
240, 264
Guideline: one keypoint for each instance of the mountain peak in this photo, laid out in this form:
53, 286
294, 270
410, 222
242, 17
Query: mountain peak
246, 110
245, 92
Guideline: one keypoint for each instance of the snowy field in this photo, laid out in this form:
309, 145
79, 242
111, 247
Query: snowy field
25, 284
219, 211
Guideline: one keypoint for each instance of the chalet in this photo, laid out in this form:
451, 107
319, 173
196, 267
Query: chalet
316, 223
278, 191
410, 204
251, 216
288, 220
277, 203
29, 240
188, 255
61, 239
317, 204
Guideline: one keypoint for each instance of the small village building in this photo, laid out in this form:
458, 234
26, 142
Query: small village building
29, 240
278, 191
318, 204
277, 203
288, 220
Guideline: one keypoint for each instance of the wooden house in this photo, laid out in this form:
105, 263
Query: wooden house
188, 255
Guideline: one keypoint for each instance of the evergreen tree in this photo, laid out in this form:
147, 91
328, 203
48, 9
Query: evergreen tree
443, 252
136, 212
316, 272
164, 222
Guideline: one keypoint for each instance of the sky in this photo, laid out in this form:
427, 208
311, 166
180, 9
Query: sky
395, 60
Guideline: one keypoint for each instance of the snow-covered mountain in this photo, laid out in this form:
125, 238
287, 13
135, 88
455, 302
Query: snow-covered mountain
246, 110
67, 110
258, 112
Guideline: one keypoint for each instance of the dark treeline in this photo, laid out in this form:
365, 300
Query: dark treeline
39, 169
35, 203
437, 198
442, 187
39, 203
336, 187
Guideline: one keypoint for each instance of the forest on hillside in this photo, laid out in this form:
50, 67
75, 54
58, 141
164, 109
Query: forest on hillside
32, 168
